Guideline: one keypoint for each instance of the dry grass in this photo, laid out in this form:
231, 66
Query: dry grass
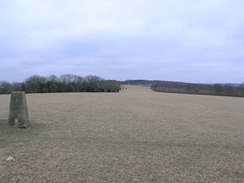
136, 135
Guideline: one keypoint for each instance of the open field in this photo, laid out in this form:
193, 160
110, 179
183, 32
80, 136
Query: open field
136, 135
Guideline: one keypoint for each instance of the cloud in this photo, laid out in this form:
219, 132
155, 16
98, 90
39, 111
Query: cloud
195, 41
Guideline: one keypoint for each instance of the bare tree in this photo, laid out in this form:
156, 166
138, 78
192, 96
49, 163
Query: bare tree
5, 87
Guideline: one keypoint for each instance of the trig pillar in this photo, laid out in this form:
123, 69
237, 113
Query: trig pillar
18, 112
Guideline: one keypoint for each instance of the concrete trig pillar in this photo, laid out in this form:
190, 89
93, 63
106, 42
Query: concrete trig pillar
18, 112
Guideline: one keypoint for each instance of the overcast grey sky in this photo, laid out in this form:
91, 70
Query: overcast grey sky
199, 41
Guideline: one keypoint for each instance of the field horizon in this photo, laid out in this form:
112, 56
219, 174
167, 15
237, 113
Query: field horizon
136, 135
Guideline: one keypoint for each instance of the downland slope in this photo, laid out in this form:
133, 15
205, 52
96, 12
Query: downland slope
136, 135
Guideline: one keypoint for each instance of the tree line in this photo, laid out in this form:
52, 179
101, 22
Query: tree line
205, 89
63, 83
137, 82
191, 88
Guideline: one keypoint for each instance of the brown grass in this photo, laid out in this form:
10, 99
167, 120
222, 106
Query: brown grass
136, 135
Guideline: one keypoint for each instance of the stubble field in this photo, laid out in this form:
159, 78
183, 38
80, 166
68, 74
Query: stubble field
136, 135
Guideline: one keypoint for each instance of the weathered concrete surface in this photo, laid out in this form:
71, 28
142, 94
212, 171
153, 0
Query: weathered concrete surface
18, 112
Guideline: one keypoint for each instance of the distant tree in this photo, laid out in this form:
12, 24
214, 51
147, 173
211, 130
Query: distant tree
53, 84
242, 84
241, 89
228, 90
5, 87
70, 82
217, 89
16, 86
36, 84
64, 83
78, 80
92, 83
111, 86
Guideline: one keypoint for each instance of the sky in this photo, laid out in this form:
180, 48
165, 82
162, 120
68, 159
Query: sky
198, 41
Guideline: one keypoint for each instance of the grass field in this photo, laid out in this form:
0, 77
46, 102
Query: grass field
136, 135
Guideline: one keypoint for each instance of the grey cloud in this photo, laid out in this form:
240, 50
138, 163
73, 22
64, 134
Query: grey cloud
191, 41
